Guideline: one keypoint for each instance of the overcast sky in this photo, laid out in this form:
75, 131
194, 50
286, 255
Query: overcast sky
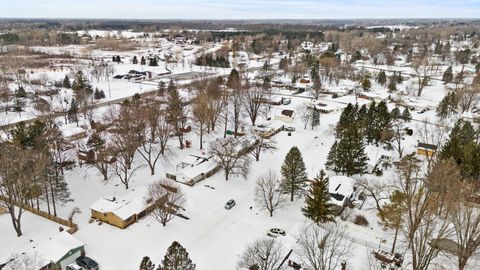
239, 9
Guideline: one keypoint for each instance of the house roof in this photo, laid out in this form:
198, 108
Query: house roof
341, 185
427, 146
288, 113
45, 250
124, 206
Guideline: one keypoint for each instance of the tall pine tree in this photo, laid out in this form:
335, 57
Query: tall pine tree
176, 259
317, 202
146, 264
347, 156
294, 175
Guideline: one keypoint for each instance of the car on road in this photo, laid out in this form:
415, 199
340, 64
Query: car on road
275, 232
289, 129
73, 266
230, 204
424, 110
86, 263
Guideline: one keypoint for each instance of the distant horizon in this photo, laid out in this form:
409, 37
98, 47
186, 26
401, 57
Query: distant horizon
240, 9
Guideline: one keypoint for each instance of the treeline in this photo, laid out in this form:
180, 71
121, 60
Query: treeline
212, 61
39, 38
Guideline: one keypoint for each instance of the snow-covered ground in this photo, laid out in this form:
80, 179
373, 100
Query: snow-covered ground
213, 236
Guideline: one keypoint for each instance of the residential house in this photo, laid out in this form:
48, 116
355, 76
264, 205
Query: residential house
426, 149
193, 169
123, 211
52, 252
341, 189
285, 116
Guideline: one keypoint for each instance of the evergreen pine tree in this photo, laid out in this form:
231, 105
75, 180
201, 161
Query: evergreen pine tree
97, 94
72, 113
382, 78
399, 78
143, 61
135, 60
102, 94
153, 61
317, 201
392, 85
315, 117
233, 80
448, 75
81, 84
461, 135
447, 106
366, 84
177, 258
349, 153
346, 118
66, 82
146, 264
406, 116
114, 59
118, 59
294, 175
332, 158
395, 113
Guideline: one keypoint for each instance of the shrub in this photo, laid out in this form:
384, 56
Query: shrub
360, 220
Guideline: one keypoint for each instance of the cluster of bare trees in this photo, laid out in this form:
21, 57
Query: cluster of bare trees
433, 213
320, 248
140, 127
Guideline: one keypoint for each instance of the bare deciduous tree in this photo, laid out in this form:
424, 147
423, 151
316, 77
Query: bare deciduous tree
421, 223
230, 156
167, 198
268, 195
262, 145
467, 97
376, 189
466, 223
263, 254
323, 248
424, 70
253, 103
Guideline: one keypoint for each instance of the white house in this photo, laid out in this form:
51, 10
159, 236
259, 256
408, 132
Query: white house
193, 169
341, 191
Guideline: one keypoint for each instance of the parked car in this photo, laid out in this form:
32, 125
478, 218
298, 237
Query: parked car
286, 101
86, 263
289, 129
73, 266
424, 110
230, 204
275, 232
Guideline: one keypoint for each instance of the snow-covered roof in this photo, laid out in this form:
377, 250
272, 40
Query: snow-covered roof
125, 206
341, 185
330, 106
69, 131
204, 167
45, 250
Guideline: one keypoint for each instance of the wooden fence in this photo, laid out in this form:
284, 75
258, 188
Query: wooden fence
61, 221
